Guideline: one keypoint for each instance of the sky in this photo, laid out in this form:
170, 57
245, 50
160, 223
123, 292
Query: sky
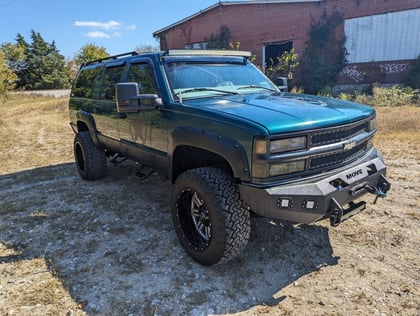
119, 26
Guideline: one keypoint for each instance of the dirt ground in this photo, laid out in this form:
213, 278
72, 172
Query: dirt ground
71, 247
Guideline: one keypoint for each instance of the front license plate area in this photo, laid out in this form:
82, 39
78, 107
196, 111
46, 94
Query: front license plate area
355, 174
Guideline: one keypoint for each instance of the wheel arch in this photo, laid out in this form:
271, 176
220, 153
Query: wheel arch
86, 123
192, 147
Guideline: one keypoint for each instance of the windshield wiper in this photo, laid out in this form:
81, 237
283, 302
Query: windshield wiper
254, 86
205, 89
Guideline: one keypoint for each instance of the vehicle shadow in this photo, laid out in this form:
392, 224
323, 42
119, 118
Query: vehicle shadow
111, 243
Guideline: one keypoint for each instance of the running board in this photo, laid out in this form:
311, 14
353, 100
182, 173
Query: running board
144, 172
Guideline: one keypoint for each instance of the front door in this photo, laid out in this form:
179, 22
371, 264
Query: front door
145, 130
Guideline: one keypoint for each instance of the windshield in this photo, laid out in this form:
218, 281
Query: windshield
197, 80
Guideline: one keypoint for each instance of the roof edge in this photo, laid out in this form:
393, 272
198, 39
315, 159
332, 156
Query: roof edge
227, 3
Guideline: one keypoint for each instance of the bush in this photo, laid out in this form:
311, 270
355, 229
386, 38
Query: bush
393, 97
413, 78
7, 77
324, 55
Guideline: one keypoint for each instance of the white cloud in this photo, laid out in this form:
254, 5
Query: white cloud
103, 29
110, 25
97, 34
131, 27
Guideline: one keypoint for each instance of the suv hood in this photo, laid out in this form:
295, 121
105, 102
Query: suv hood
286, 112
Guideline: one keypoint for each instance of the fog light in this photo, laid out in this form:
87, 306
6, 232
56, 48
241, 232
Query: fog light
310, 204
284, 203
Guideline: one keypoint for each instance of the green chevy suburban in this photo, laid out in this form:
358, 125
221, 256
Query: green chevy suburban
228, 139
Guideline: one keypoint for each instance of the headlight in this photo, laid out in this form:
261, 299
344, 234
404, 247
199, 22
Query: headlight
288, 167
372, 124
263, 146
287, 144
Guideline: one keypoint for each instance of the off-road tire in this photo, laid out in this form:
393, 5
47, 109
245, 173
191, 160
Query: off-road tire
90, 161
220, 227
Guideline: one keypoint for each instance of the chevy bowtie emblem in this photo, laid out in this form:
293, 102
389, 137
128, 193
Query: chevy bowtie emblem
349, 145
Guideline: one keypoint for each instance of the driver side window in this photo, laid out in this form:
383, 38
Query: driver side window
143, 75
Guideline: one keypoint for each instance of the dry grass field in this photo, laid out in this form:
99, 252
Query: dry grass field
71, 247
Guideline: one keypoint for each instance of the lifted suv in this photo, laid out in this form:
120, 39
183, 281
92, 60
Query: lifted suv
229, 140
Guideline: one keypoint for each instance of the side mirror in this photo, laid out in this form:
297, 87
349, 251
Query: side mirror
129, 99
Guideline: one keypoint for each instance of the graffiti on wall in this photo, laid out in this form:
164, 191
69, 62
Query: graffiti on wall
376, 72
353, 73
394, 68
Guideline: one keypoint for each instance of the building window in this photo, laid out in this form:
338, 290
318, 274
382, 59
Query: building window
202, 45
272, 51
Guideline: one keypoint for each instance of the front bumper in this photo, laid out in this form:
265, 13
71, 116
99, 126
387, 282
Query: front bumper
332, 196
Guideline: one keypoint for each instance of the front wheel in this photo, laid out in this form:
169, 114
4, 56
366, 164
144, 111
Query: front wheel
209, 216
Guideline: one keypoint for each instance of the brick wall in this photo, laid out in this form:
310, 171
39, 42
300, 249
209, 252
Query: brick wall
255, 25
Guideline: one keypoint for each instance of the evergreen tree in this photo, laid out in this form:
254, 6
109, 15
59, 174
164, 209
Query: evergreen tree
46, 67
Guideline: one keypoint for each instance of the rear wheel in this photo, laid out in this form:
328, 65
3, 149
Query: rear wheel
90, 161
210, 219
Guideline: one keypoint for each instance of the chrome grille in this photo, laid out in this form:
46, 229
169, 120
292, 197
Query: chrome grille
336, 158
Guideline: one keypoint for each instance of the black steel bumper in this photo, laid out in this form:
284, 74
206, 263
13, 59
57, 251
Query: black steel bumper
333, 196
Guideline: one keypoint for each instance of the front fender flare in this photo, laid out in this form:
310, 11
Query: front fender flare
222, 145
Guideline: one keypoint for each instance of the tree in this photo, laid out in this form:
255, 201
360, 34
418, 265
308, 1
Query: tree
16, 58
324, 55
284, 66
46, 67
90, 52
38, 65
220, 41
7, 76
147, 48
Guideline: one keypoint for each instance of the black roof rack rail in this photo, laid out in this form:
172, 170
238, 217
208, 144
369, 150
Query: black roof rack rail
133, 53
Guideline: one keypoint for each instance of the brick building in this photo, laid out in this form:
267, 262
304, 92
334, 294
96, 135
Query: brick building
382, 36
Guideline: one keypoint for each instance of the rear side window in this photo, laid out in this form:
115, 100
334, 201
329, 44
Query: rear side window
84, 85
112, 76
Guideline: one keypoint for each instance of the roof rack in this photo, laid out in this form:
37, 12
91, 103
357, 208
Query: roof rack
208, 52
133, 53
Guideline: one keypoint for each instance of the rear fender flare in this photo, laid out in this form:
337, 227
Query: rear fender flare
87, 119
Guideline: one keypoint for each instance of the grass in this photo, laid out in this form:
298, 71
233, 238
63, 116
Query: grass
48, 143
393, 102
35, 287
395, 96
35, 133
398, 112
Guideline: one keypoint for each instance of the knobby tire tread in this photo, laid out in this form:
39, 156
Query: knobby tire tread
95, 159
